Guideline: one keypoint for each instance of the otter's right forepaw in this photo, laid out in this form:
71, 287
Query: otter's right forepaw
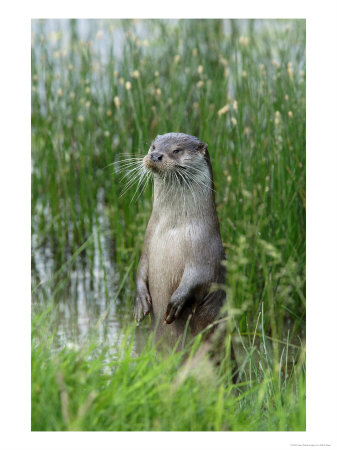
142, 307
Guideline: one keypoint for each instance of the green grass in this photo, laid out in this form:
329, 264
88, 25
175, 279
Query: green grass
110, 388
188, 71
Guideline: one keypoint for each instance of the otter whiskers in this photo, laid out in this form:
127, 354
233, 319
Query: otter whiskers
189, 178
134, 173
197, 175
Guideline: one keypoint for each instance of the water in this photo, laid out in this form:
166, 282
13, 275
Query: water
102, 32
85, 293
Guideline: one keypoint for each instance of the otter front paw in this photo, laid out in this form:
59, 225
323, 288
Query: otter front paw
143, 304
173, 310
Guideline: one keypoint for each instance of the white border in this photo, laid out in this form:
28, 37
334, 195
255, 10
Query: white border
321, 223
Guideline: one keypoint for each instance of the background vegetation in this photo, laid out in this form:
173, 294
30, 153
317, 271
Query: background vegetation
102, 89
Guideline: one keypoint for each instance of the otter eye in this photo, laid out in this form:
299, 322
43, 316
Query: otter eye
177, 150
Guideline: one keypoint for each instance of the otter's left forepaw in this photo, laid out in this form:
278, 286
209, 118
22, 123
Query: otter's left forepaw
173, 310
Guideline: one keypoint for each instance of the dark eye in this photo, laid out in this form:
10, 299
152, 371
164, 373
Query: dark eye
176, 151
153, 147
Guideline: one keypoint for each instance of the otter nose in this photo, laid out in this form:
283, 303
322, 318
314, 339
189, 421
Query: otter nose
156, 156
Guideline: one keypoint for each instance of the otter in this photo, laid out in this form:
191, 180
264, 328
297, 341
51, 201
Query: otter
182, 250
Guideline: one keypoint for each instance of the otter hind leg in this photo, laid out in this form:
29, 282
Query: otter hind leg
207, 312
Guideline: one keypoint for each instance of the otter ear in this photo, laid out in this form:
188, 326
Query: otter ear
202, 147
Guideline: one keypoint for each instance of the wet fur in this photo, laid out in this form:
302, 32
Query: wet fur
182, 251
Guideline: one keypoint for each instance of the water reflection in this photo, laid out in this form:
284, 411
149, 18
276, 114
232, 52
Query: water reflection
84, 291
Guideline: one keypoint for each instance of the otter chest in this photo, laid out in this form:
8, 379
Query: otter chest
170, 249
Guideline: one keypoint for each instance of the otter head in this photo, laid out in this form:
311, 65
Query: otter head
172, 152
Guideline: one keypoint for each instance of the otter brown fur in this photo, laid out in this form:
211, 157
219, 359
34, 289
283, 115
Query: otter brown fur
182, 250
